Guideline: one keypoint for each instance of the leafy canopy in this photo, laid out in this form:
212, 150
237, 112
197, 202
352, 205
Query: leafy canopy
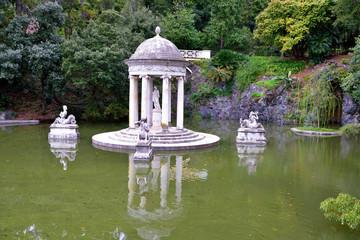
288, 24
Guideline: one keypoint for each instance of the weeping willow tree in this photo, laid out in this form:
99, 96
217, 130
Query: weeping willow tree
320, 101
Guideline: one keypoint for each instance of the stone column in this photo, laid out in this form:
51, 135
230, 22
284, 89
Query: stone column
150, 102
144, 95
132, 179
180, 104
165, 102
133, 101
169, 102
164, 182
178, 177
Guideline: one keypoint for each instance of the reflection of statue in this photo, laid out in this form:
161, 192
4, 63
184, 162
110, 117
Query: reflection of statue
144, 129
64, 150
156, 97
251, 122
250, 156
63, 120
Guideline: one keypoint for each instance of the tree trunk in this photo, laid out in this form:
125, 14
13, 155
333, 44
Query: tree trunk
82, 10
221, 41
19, 8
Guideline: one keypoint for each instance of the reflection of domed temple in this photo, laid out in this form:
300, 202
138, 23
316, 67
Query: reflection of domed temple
156, 58
153, 202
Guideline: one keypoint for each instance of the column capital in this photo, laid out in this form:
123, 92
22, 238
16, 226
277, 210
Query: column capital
180, 78
166, 76
133, 77
144, 76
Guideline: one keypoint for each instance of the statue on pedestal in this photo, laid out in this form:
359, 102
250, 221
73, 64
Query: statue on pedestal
144, 129
63, 120
250, 131
156, 97
64, 128
251, 122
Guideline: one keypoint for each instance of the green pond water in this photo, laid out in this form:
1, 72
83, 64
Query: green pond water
224, 192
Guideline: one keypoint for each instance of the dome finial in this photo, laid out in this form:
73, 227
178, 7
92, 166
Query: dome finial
157, 30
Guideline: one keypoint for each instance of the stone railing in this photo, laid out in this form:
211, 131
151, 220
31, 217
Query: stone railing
196, 54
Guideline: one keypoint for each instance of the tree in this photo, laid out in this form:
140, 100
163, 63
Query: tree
32, 50
94, 62
179, 27
289, 24
140, 19
225, 28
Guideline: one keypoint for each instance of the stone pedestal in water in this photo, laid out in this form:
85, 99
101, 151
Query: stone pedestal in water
250, 131
64, 128
144, 151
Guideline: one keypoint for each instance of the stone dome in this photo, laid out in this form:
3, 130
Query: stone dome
157, 48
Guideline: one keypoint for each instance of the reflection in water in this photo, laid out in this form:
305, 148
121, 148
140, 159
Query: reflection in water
152, 209
30, 232
64, 149
250, 155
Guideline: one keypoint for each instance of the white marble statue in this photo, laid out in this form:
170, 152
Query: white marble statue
144, 129
156, 97
251, 122
63, 120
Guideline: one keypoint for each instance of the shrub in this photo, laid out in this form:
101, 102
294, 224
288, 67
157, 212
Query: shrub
350, 130
344, 60
257, 95
228, 59
269, 66
345, 209
351, 83
269, 84
319, 101
116, 111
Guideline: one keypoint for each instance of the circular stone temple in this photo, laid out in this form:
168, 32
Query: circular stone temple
156, 57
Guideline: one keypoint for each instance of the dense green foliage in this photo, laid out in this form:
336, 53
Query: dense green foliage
350, 130
351, 83
31, 54
258, 66
96, 36
94, 61
320, 101
293, 25
344, 208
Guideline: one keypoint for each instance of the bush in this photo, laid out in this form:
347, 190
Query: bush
344, 60
350, 130
228, 59
257, 95
269, 66
351, 83
116, 111
345, 209
319, 101
269, 84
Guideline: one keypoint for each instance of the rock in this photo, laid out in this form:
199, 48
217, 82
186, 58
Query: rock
6, 115
350, 111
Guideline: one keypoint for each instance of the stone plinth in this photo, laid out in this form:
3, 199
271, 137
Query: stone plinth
156, 118
251, 136
64, 131
144, 151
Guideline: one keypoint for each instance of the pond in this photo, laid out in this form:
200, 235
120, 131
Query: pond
223, 192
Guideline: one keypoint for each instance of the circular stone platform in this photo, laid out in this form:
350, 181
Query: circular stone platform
174, 139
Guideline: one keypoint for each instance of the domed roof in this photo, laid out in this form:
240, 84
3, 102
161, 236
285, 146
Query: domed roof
157, 48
